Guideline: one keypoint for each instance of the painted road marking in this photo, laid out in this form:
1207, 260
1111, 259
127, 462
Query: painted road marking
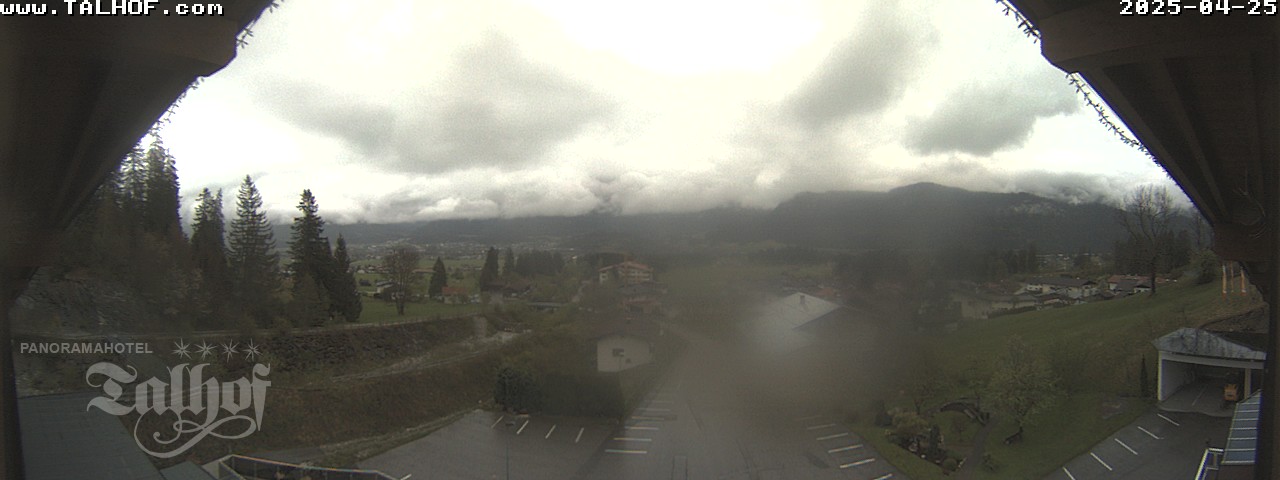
1170, 420
653, 409
496, 422
628, 452
1126, 447
1197, 399
837, 435
820, 427
1068, 472
580, 429
632, 439
844, 449
526, 423
642, 418
637, 427
859, 462
1095, 457
1149, 433
808, 419
886, 476
553, 428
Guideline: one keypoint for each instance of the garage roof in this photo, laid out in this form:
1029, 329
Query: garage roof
1203, 343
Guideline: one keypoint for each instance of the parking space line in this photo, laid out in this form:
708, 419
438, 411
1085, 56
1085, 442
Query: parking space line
639, 427
859, 462
654, 409
1170, 420
1126, 447
495, 422
1152, 435
643, 418
820, 427
837, 435
632, 439
1068, 472
580, 430
553, 428
887, 476
526, 423
844, 449
628, 452
1104, 464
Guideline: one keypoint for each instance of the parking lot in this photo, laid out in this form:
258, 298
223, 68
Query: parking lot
488, 445
1157, 445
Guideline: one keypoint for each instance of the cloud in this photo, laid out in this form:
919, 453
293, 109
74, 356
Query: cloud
494, 108
866, 72
982, 118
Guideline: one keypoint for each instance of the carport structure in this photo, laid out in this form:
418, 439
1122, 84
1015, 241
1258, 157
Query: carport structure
1189, 355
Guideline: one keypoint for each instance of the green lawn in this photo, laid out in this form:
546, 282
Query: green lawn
1057, 435
1096, 349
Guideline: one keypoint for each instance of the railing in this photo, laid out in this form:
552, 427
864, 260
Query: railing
1209, 463
237, 466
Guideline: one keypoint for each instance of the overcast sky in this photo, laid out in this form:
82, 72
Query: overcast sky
414, 110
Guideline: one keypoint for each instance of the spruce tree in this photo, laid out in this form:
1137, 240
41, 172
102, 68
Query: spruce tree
251, 256
344, 296
439, 279
209, 255
489, 272
309, 253
509, 263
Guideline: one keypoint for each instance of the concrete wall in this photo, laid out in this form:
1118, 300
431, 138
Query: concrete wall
1172, 376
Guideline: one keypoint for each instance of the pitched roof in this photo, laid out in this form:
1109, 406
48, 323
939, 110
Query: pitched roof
778, 328
1062, 281
1203, 343
635, 327
62, 438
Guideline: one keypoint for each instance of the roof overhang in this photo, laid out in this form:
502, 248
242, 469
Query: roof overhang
1199, 91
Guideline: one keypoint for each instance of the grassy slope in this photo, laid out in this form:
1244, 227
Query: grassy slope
1105, 341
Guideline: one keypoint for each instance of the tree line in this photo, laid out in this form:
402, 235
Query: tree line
130, 242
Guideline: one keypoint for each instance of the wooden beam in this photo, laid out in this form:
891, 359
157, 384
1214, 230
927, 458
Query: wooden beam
1132, 116
1096, 36
1190, 126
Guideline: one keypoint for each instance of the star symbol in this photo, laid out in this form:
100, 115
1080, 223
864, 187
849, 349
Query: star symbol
229, 348
204, 349
251, 350
181, 349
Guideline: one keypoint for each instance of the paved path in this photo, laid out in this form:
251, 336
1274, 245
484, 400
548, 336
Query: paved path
974, 458
1156, 445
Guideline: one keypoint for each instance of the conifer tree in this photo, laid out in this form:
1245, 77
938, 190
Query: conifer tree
309, 253
439, 278
489, 272
209, 255
509, 263
252, 258
345, 297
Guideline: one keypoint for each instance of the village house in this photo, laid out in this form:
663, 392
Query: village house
625, 344
643, 297
627, 272
1073, 288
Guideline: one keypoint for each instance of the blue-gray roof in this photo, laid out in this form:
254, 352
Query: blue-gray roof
185, 471
61, 438
1193, 341
1242, 440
